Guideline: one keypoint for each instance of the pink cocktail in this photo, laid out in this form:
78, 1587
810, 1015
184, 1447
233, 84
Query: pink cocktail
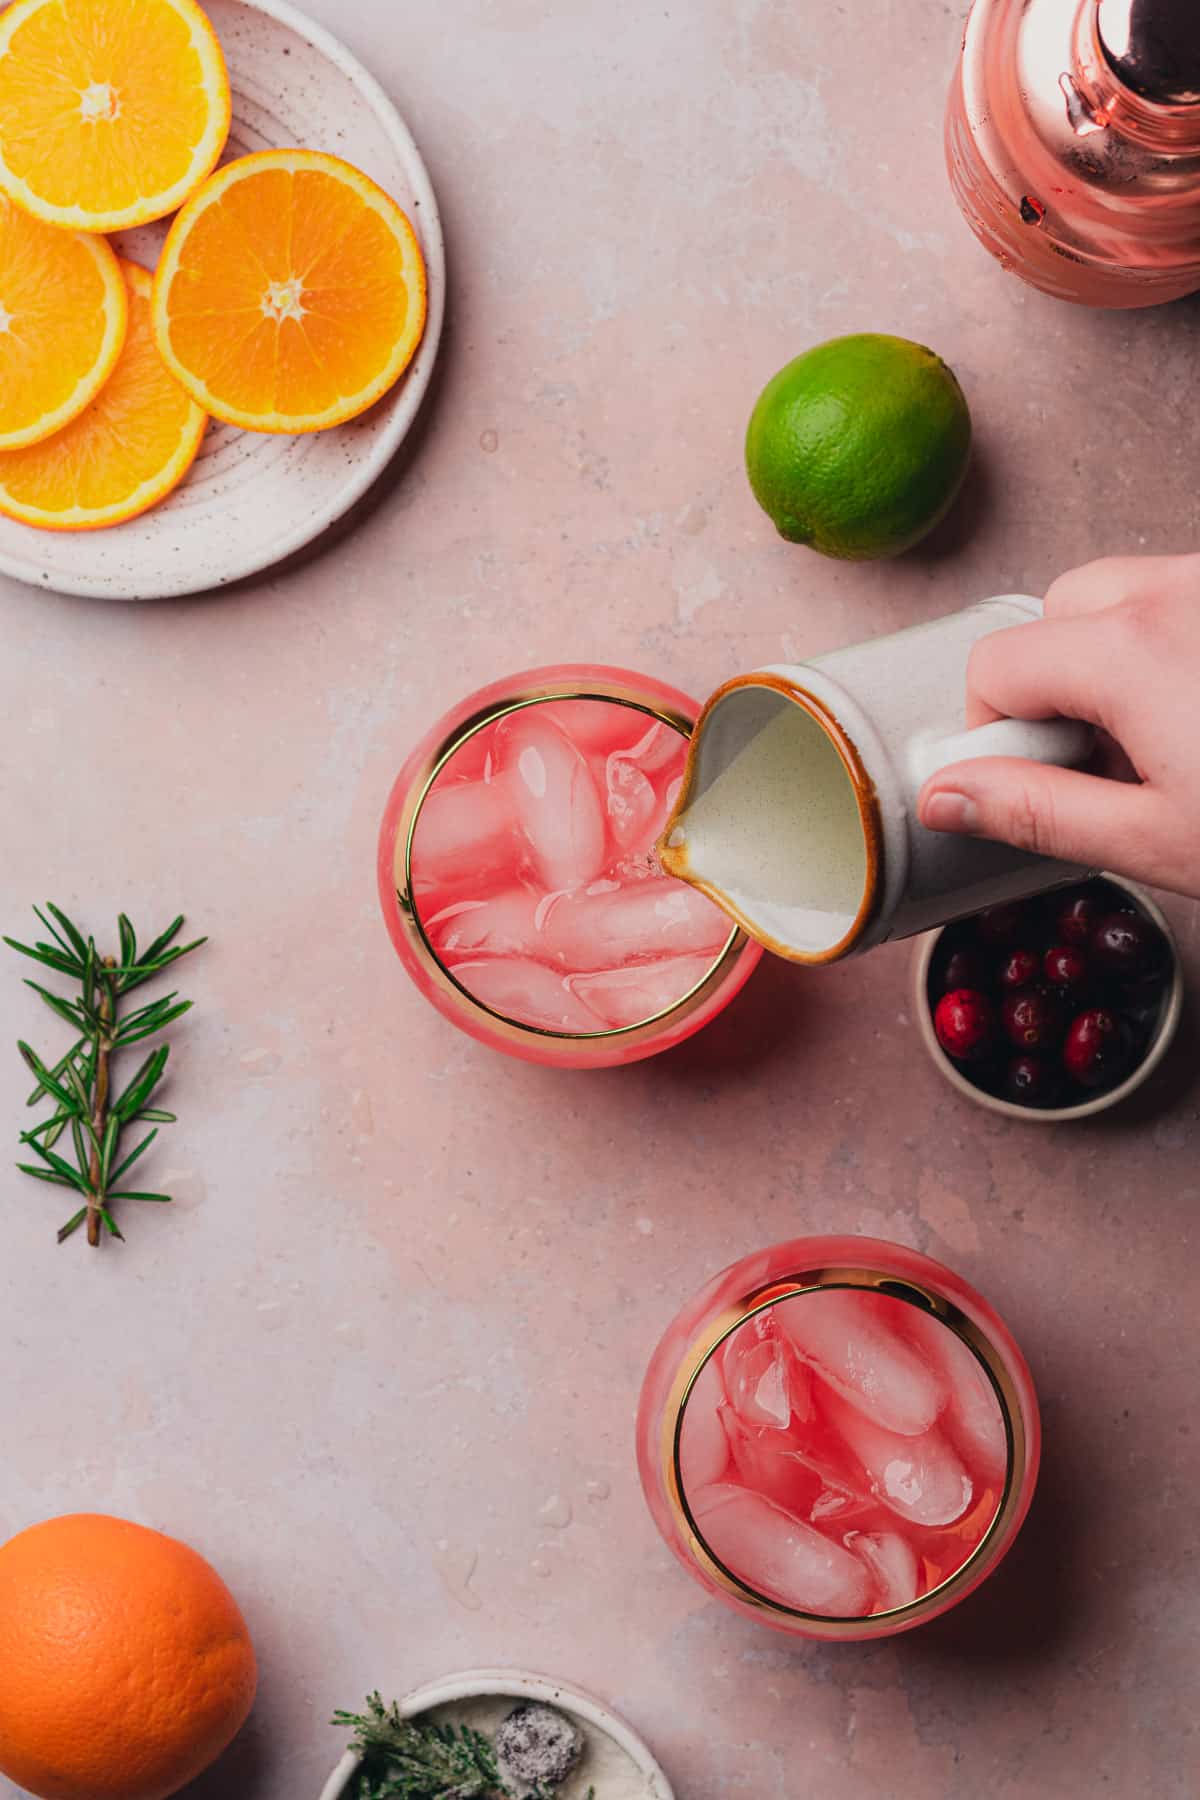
520, 881
839, 1436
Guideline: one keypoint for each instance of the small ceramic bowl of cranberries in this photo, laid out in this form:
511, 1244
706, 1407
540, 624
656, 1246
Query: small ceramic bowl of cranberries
1055, 1007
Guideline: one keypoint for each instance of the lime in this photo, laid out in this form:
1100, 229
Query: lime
858, 447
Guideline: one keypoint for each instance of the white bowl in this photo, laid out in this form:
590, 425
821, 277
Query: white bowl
482, 1684
252, 499
1170, 1013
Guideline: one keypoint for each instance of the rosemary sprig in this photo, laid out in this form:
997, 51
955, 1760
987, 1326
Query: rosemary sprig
419, 1759
81, 1083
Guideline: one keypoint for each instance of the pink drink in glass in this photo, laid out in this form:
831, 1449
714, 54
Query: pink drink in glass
520, 881
839, 1437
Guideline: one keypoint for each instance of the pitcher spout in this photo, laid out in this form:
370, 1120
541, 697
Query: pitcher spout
777, 820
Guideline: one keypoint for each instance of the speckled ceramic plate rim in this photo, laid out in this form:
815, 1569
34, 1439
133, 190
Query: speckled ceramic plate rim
406, 405
488, 1684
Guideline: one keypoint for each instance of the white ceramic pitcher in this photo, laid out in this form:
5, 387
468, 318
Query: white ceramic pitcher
798, 813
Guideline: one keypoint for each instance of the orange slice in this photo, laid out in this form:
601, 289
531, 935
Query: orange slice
111, 111
290, 294
133, 444
62, 324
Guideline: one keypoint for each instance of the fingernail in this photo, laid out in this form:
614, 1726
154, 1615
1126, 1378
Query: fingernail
950, 812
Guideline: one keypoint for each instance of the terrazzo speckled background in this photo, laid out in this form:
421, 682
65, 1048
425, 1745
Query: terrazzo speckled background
380, 1361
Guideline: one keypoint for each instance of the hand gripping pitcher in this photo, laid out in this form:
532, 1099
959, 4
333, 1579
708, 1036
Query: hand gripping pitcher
798, 811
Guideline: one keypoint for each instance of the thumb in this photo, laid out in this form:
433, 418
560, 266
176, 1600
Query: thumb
1060, 813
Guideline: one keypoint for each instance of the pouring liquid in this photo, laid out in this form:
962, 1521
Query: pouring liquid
775, 835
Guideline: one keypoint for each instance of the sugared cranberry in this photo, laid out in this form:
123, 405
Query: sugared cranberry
1076, 916
1126, 945
1019, 968
1099, 1048
1031, 1081
965, 1023
1065, 966
964, 968
1003, 925
1033, 1018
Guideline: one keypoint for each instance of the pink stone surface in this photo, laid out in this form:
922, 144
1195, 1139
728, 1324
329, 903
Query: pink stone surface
380, 1362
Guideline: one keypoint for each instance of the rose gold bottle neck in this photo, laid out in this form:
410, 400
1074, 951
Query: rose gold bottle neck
1138, 67
1153, 48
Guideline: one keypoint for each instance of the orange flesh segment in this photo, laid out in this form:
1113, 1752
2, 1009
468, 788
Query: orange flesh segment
62, 322
131, 447
295, 298
110, 113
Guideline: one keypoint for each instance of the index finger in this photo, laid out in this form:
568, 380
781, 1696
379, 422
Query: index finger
1052, 668
1096, 586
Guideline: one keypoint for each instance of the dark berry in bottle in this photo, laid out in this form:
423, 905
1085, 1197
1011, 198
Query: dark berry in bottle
1076, 916
964, 968
1019, 968
1066, 966
1099, 1048
1031, 1081
1000, 926
1126, 945
965, 1023
1033, 1018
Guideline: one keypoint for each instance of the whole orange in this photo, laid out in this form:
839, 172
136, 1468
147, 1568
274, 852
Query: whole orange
125, 1665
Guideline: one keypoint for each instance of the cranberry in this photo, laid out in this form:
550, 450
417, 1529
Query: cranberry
1019, 968
1031, 1081
1098, 1049
965, 1023
964, 968
1126, 944
1076, 917
1032, 1018
1003, 925
1065, 966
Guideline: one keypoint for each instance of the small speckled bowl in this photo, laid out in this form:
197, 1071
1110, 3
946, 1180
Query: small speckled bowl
517, 1685
1170, 1012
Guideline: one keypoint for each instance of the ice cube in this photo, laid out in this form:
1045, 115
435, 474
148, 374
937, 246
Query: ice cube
638, 923
597, 725
525, 991
555, 799
918, 1478
703, 1446
621, 997
779, 1556
631, 803
775, 1464
463, 833
765, 1379
972, 1419
893, 1562
470, 760
505, 924
848, 1338
661, 748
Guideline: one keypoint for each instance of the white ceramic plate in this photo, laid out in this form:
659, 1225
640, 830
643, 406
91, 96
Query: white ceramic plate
518, 1684
252, 499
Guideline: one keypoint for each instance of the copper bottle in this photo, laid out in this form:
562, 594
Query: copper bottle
1073, 144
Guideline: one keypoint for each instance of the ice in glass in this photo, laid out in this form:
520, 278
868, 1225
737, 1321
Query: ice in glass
520, 879
842, 1438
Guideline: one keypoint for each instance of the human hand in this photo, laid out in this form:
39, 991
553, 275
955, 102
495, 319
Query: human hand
1120, 647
